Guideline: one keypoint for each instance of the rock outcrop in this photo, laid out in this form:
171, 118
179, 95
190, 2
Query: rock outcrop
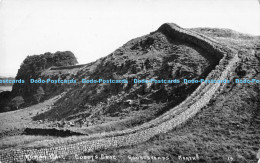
31, 68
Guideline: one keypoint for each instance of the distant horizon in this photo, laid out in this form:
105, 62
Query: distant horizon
93, 29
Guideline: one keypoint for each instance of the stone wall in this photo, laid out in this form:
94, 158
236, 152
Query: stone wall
164, 123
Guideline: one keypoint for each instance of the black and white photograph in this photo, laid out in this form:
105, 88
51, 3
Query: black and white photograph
130, 81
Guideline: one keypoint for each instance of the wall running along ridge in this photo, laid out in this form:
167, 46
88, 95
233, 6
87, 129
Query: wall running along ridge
162, 124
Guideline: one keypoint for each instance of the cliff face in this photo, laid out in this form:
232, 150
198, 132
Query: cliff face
32, 67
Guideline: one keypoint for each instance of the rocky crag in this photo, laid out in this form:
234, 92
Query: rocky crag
25, 93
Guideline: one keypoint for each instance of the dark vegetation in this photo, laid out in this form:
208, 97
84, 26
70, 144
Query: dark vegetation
5, 94
49, 132
5, 98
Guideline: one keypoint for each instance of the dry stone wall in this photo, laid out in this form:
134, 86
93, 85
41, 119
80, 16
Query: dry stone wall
164, 123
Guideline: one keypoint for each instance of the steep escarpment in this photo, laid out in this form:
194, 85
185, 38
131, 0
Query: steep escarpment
31, 68
159, 55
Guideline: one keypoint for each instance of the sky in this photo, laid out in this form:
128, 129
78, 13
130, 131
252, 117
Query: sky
92, 29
